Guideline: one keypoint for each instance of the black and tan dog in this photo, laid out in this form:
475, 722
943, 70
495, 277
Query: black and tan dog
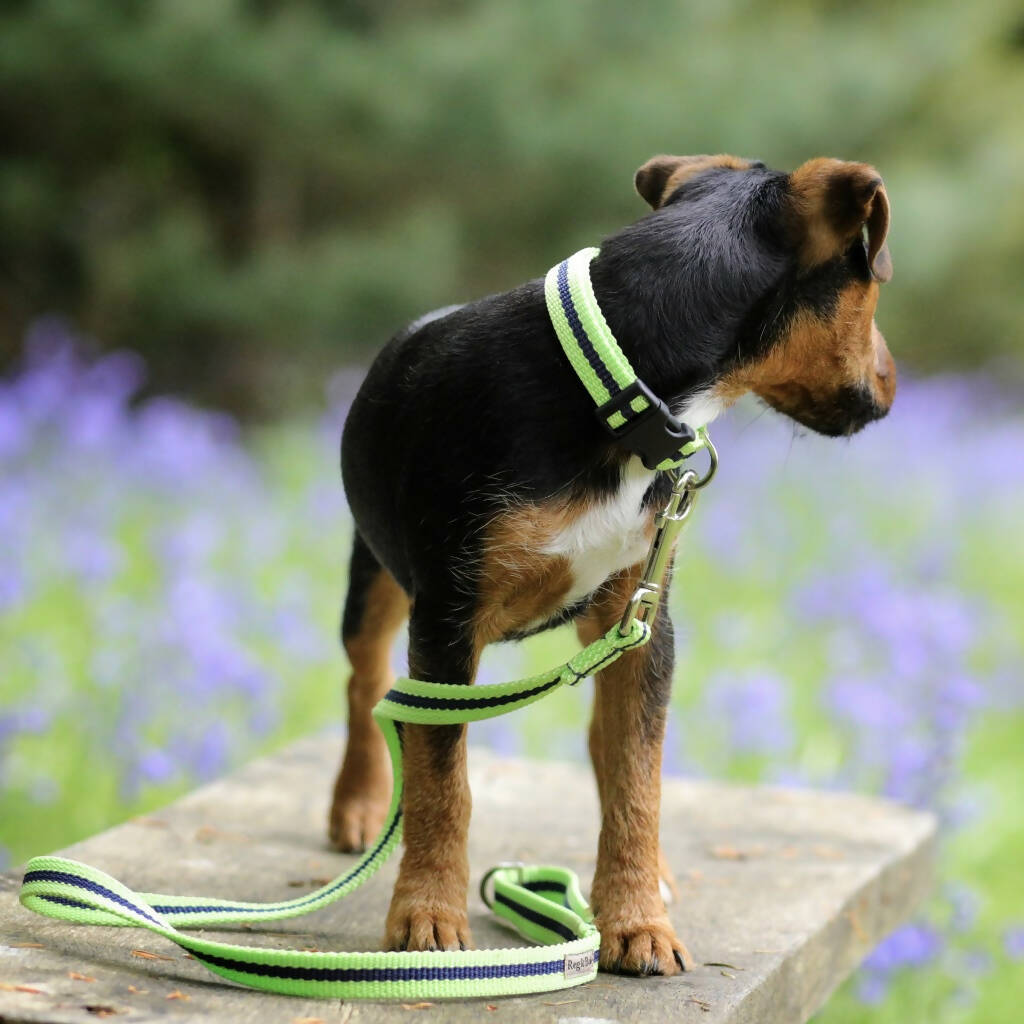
489, 503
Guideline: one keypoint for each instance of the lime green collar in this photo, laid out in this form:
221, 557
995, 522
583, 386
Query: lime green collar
631, 413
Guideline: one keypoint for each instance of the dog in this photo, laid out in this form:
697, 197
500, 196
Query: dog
490, 503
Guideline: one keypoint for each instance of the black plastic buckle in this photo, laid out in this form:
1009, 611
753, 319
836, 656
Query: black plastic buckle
654, 434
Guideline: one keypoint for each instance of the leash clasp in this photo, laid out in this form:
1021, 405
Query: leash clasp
667, 523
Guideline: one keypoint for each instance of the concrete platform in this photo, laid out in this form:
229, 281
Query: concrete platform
783, 893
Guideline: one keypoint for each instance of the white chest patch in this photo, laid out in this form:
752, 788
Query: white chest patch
613, 534
609, 536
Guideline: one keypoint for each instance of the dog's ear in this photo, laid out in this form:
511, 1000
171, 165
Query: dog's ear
657, 179
834, 200
651, 178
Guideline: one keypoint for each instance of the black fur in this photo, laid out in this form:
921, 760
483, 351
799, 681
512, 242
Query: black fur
481, 405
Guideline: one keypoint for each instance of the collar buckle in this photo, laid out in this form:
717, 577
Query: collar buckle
641, 422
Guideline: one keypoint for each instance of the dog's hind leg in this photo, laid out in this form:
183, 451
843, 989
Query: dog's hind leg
375, 608
626, 737
428, 907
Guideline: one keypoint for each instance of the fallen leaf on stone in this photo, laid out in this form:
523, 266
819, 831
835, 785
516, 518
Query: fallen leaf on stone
102, 1011
6, 987
856, 925
309, 1020
75, 976
177, 995
727, 853
138, 991
27, 945
416, 1006
207, 833
143, 954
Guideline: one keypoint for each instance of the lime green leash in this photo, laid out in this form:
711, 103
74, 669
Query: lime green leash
543, 903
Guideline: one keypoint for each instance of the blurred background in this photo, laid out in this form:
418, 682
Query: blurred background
210, 208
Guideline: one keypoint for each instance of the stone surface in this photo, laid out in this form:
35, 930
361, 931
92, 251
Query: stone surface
782, 893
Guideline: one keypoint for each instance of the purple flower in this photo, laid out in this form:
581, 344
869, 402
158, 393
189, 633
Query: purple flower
872, 987
753, 711
14, 432
13, 588
912, 945
156, 766
1013, 942
211, 755
868, 704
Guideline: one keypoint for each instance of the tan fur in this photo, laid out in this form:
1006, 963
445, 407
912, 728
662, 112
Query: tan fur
362, 790
818, 356
519, 583
832, 201
428, 906
625, 747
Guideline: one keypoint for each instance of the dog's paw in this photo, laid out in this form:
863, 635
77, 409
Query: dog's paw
643, 948
425, 927
355, 821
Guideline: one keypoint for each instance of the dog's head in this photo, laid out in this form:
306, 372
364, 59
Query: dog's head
811, 348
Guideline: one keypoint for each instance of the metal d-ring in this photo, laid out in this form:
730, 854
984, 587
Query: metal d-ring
712, 466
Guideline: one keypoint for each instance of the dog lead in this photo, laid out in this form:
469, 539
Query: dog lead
543, 903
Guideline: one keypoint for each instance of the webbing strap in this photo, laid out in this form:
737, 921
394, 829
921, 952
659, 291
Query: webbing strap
543, 903
599, 361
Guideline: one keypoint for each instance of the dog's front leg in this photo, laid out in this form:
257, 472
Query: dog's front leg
626, 737
428, 907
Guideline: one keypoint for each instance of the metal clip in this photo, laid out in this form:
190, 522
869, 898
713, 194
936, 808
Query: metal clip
667, 524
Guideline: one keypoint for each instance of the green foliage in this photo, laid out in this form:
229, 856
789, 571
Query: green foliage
252, 191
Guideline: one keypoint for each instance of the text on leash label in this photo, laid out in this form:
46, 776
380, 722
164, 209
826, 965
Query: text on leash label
578, 964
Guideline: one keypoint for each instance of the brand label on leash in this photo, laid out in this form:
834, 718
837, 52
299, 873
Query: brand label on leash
578, 964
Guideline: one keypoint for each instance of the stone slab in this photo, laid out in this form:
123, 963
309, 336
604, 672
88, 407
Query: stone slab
783, 891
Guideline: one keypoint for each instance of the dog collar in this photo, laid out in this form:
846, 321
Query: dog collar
627, 409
